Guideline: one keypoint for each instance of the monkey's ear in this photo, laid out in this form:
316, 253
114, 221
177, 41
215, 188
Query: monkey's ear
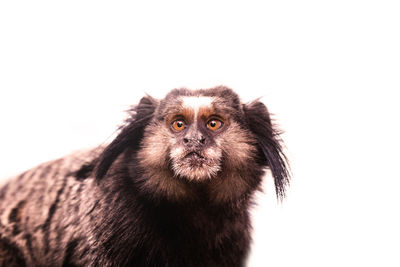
269, 143
130, 135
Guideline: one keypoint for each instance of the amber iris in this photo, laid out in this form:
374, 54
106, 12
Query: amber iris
178, 125
214, 125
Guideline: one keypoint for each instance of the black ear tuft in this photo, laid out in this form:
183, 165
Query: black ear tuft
130, 134
269, 143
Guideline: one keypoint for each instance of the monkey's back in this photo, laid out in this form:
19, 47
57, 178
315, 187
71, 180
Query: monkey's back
40, 212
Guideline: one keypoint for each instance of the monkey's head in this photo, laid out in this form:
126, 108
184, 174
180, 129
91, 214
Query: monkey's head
202, 138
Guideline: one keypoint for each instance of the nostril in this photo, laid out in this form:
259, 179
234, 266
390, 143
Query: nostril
185, 140
202, 140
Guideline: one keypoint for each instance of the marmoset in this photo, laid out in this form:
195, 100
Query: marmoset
174, 188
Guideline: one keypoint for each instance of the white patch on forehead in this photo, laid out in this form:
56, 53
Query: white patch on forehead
196, 102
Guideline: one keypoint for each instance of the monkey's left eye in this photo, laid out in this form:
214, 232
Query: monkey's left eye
214, 124
178, 125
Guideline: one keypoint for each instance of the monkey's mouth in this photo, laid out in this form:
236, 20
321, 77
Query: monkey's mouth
194, 159
194, 155
195, 164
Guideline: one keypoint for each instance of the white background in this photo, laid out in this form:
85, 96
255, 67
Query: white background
329, 70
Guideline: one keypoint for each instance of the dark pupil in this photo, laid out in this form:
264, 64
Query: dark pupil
179, 124
213, 124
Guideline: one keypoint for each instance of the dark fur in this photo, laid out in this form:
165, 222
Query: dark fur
103, 211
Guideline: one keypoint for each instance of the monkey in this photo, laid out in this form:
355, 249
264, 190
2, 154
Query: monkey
173, 188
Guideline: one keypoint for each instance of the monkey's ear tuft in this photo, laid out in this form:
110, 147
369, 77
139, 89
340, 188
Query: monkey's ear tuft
269, 143
130, 134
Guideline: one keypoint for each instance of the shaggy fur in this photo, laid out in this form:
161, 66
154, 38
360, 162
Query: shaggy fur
172, 189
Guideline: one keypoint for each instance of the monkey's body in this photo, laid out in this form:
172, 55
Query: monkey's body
144, 200
69, 230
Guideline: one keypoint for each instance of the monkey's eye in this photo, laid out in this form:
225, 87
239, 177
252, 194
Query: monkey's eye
178, 125
214, 124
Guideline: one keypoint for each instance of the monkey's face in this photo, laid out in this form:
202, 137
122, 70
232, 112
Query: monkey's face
205, 137
195, 128
196, 137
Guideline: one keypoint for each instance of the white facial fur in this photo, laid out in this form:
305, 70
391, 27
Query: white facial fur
196, 102
209, 168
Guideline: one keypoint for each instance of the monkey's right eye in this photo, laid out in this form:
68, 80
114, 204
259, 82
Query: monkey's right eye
178, 125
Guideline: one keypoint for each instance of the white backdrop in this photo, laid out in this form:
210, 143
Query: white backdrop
329, 70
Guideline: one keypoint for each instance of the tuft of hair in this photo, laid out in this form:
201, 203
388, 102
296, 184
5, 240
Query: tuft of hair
130, 134
270, 144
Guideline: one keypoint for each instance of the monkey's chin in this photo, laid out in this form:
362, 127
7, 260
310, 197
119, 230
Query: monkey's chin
195, 167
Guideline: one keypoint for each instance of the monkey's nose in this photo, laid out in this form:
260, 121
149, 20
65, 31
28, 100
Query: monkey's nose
194, 140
